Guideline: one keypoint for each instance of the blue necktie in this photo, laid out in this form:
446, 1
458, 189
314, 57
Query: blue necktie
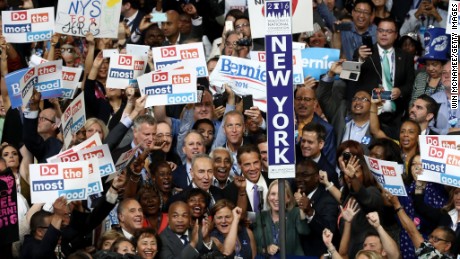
256, 199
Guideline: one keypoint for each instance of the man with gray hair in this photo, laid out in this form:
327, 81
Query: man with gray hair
222, 161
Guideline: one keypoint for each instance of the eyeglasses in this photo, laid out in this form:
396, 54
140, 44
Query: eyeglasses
70, 50
360, 99
305, 99
380, 30
363, 12
45, 119
230, 44
239, 26
436, 239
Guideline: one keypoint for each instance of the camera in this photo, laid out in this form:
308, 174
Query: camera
244, 42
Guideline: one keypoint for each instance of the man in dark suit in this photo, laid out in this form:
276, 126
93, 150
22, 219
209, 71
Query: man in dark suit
317, 203
423, 110
388, 68
132, 17
171, 30
313, 139
177, 240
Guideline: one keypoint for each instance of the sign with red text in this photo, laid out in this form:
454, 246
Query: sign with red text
125, 158
297, 69
70, 78
49, 82
26, 84
388, 174
71, 155
439, 164
302, 17
192, 56
77, 18
102, 154
94, 177
73, 118
124, 70
169, 87
50, 181
31, 25
444, 141
244, 76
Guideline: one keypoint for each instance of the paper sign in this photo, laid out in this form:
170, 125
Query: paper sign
94, 177
77, 18
28, 25
26, 84
12, 81
36, 60
452, 18
317, 61
9, 223
444, 141
49, 82
50, 181
440, 165
124, 70
302, 17
192, 55
102, 154
107, 53
244, 76
70, 78
92, 141
158, 17
296, 63
169, 87
137, 50
73, 118
125, 158
388, 174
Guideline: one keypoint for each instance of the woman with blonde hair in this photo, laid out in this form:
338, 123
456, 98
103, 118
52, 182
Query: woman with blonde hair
95, 125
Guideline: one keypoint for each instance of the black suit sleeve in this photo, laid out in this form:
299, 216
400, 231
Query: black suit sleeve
115, 136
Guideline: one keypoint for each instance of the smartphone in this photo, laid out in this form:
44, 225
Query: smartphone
199, 91
367, 40
384, 95
228, 26
346, 157
344, 26
218, 100
248, 102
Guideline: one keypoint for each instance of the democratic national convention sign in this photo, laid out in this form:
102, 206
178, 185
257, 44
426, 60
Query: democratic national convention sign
13, 86
77, 18
302, 17
31, 25
50, 181
73, 118
244, 76
280, 92
124, 70
169, 87
388, 174
297, 68
439, 164
317, 61
191, 55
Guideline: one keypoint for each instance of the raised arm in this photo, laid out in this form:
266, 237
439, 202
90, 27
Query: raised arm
389, 245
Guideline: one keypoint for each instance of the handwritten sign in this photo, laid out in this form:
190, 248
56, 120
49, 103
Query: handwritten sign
191, 55
388, 174
50, 181
73, 118
31, 25
78, 17
124, 70
9, 226
169, 87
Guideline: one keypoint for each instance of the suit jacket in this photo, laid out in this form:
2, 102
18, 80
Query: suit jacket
180, 177
173, 248
324, 165
216, 193
326, 212
40, 148
230, 192
371, 74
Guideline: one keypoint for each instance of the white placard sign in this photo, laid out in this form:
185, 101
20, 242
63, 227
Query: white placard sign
70, 78
297, 68
191, 55
31, 25
94, 177
26, 84
73, 118
50, 181
302, 17
124, 70
102, 154
244, 76
440, 165
388, 174
77, 18
49, 82
169, 87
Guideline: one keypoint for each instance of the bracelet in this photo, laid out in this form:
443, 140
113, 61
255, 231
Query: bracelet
398, 209
115, 188
332, 251
330, 186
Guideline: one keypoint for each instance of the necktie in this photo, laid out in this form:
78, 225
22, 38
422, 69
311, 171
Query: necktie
126, 20
184, 239
212, 201
386, 70
256, 199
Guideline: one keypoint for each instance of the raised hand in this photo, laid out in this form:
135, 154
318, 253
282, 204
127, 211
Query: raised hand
350, 210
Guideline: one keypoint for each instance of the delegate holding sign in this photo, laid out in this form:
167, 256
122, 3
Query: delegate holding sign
28, 25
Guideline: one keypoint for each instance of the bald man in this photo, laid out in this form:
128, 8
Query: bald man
171, 29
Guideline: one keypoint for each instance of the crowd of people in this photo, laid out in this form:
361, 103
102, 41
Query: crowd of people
198, 186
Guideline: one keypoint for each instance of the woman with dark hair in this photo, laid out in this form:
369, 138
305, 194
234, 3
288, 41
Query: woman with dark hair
149, 199
412, 45
13, 160
385, 149
146, 242
123, 246
198, 201
161, 174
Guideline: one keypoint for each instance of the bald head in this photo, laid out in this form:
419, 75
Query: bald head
170, 28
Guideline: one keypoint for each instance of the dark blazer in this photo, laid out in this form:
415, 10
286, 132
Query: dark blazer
173, 248
230, 192
180, 177
40, 148
324, 165
371, 74
216, 193
326, 212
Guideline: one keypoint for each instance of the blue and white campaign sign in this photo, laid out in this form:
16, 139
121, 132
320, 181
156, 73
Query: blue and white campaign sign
244, 76
317, 61
191, 55
73, 118
297, 68
28, 25
102, 154
49, 81
50, 181
70, 78
452, 18
169, 87
280, 91
388, 174
77, 18
26, 84
14, 89
124, 70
